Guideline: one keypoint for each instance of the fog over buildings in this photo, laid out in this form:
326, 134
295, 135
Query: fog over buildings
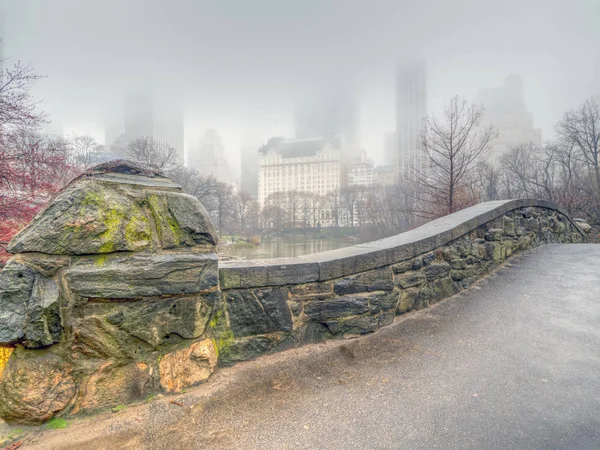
411, 108
505, 108
301, 69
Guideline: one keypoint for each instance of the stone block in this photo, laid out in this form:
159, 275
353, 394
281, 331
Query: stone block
258, 311
424, 297
443, 288
405, 266
358, 259
402, 267
383, 301
311, 333
493, 251
242, 275
373, 280
295, 307
114, 384
29, 307
532, 224
429, 259
248, 348
143, 275
284, 271
180, 220
435, 271
312, 291
458, 264
16, 285
326, 310
508, 226
385, 319
95, 338
494, 234
187, 367
35, 387
409, 279
407, 300
155, 322
360, 325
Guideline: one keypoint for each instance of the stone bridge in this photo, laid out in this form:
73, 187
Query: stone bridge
115, 291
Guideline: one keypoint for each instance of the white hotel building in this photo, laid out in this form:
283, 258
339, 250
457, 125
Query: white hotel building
305, 165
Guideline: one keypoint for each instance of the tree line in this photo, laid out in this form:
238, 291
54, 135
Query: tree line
454, 171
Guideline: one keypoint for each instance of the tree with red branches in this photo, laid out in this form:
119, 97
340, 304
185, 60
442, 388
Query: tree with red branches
33, 166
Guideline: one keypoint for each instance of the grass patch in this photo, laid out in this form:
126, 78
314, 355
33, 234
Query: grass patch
58, 423
118, 408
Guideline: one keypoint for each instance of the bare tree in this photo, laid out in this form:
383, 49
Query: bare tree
17, 105
348, 200
293, 205
487, 180
147, 150
315, 202
581, 126
452, 146
85, 151
222, 206
274, 212
305, 208
333, 206
246, 209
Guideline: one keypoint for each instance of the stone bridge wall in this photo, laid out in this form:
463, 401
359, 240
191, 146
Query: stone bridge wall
281, 303
114, 292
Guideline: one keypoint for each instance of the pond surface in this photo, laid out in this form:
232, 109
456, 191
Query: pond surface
286, 246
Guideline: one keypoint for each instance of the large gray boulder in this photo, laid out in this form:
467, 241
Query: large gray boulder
105, 212
118, 273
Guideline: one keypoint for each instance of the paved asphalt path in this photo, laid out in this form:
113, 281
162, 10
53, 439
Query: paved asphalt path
513, 363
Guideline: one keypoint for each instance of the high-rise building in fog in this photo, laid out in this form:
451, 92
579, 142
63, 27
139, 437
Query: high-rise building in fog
114, 128
363, 171
390, 149
160, 119
327, 115
249, 166
208, 158
505, 108
303, 165
411, 108
330, 111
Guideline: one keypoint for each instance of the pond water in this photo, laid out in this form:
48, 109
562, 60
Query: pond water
286, 246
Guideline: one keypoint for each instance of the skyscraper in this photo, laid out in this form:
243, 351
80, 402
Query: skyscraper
249, 173
208, 158
505, 108
411, 108
162, 120
330, 111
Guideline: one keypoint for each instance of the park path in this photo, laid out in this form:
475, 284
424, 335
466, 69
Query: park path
512, 363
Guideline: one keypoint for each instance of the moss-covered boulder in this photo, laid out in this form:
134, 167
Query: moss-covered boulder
105, 212
116, 274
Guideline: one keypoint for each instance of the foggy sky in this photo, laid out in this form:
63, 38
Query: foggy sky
238, 65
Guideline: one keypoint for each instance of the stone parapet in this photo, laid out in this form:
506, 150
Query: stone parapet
281, 303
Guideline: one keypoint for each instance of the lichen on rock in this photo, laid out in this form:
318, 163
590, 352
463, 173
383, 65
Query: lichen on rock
117, 273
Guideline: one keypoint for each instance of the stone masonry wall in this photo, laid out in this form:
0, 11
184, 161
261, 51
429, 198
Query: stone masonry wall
263, 319
115, 292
